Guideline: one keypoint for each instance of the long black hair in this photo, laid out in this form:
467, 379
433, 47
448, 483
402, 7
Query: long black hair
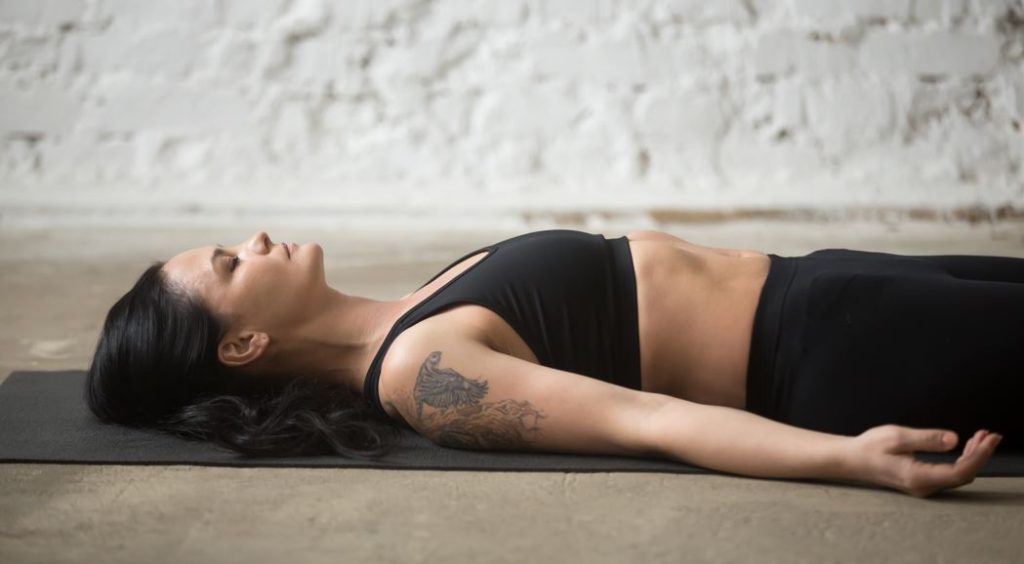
156, 366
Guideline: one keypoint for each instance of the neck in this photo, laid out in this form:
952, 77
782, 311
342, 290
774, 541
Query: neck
339, 340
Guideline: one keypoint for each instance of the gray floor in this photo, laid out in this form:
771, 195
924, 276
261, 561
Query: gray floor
56, 285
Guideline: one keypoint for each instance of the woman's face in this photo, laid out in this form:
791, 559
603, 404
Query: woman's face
256, 285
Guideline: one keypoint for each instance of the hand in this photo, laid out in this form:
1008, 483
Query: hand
884, 455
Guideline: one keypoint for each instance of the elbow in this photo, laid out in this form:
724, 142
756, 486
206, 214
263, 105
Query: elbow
664, 418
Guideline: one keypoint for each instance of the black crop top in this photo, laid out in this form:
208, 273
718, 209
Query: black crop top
570, 295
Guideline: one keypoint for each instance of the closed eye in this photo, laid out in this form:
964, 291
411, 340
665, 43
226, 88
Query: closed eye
233, 264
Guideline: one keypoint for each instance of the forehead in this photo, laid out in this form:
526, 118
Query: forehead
191, 269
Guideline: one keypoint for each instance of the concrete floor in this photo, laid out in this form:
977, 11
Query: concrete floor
56, 286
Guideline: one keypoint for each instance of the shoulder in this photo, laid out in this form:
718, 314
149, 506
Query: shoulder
408, 353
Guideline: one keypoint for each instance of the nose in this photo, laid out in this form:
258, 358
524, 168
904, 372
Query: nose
259, 241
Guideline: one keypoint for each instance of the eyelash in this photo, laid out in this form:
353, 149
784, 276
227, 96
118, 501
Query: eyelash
232, 264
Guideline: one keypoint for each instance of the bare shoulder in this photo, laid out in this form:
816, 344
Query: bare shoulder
460, 393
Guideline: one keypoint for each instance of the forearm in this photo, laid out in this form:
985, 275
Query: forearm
739, 442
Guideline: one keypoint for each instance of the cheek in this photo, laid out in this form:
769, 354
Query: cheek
305, 272
251, 294
277, 289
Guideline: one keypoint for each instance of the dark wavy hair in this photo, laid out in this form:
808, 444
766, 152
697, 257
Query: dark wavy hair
156, 366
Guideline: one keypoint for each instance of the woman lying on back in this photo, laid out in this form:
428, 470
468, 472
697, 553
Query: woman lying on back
836, 365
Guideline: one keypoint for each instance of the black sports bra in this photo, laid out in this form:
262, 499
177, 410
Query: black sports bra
570, 295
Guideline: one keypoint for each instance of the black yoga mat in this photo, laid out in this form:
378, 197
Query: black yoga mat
44, 419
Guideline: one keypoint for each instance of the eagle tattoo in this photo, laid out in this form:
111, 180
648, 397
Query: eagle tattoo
444, 387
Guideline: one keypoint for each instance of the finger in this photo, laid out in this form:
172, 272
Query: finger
944, 475
931, 477
979, 439
971, 448
980, 453
972, 443
934, 440
963, 470
988, 444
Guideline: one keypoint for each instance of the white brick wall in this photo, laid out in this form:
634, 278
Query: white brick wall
386, 108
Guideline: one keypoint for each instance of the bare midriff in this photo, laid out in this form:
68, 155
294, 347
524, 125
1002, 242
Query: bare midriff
695, 308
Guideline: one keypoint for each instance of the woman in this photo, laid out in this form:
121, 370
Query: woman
564, 341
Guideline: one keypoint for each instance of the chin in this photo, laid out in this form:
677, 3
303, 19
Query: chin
314, 247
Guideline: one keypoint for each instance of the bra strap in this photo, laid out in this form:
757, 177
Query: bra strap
457, 261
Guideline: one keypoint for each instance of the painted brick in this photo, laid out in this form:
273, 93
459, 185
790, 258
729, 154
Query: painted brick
303, 18
935, 53
42, 12
253, 13
689, 117
942, 11
614, 61
727, 103
87, 157
32, 53
849, 112
575, 12
1019, 99
42, 110
789, 51
361, 14
446, 15
837, 12
153, 51
597, 140
517, 111
126, 104
194, 13
701, 12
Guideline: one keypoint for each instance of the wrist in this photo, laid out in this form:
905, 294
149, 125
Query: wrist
844, 463
854, 464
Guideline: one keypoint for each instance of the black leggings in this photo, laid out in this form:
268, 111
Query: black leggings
845, 340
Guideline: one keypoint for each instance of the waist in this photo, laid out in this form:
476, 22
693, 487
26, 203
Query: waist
627, 361
763, 386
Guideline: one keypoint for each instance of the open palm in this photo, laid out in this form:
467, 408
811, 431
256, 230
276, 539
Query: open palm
884, 455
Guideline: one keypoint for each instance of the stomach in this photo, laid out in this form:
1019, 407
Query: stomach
695, 310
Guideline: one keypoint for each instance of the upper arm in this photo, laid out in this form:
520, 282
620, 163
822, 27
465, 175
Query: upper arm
460, 393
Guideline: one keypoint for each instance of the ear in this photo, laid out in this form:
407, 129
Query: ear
242, 348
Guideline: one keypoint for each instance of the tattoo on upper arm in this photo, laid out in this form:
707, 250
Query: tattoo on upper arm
460, 419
